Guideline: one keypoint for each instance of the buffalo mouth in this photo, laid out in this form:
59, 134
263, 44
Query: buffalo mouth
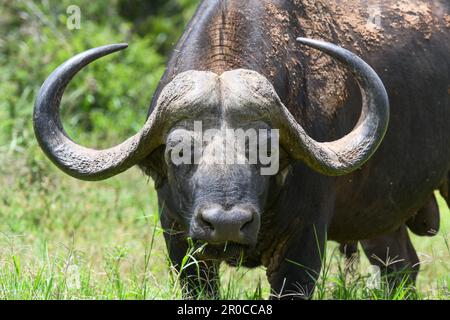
231, 252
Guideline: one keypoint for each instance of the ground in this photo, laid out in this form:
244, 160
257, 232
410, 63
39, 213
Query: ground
66, 239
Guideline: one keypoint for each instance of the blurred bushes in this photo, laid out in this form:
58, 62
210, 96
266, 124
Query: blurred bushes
159, 19
106, 102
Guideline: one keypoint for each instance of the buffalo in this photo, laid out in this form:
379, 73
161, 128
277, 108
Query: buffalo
354, 94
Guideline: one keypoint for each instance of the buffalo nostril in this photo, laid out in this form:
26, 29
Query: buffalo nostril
211, 217
204, 221
247, 223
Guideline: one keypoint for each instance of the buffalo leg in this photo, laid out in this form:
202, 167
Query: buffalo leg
296, 275
395, 255
350, 251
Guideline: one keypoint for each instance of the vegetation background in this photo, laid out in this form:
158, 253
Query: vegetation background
65, 239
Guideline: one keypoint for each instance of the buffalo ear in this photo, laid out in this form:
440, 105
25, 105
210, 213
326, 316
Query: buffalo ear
155, 167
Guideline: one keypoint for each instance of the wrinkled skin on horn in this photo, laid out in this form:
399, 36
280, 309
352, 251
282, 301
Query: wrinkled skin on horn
177, 101
329, 158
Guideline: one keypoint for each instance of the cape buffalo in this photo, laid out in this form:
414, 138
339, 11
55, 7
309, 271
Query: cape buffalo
254, 65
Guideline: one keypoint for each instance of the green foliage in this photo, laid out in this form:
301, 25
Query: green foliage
108, 101
159, 19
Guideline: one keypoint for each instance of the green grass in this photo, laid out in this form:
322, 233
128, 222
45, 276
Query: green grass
65, 239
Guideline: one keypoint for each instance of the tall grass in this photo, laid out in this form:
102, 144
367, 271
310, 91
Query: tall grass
65, 239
